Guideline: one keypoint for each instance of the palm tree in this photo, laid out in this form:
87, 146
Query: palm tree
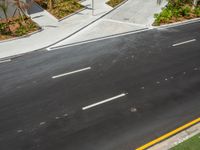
50, 4
195, 2
159, 2
4, 8
21, 8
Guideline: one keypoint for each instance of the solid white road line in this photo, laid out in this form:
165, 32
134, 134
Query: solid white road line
65, 74
185, 42
3, 61
104, 101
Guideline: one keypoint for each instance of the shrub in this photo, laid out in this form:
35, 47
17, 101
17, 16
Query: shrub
164, 16
15, 27
177, 10
179, 3
185, 11
4, 28
197, 11
21, 31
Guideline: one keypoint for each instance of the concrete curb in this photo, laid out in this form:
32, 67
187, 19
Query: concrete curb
177, 139
169, 134
98, 39
177, 23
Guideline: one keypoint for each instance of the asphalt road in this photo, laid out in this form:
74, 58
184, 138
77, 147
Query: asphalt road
141, 87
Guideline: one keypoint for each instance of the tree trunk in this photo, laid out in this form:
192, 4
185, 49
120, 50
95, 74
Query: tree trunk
50, 4
195, 2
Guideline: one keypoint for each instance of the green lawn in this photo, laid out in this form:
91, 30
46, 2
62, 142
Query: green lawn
190, 144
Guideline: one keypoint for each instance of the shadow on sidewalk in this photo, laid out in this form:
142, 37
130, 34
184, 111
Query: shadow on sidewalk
35, 8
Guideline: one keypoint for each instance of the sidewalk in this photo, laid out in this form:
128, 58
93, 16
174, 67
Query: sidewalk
131, 16
53, 30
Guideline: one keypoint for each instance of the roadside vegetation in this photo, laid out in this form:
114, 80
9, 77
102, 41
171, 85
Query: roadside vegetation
19, 23
15, 26
178, 10
190, 144
114, 3
60, 8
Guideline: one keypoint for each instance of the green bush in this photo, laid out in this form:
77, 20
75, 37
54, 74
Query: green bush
185, 11
197, 11
176, 13
164, 16
177, 10
179, 3
3, 28
21, 31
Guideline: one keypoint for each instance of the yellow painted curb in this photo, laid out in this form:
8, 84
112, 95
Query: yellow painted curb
165, 136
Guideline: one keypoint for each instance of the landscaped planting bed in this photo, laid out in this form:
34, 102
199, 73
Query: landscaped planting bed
177, 10
114, 3
61, 8
15, 27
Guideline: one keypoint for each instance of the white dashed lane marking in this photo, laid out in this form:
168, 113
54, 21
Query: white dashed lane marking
65, 115
42, 123
157, 82
69, 73
19, 131
104, 101
185, 42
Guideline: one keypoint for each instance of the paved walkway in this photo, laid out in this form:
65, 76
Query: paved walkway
53, 30
138, 11
131, 16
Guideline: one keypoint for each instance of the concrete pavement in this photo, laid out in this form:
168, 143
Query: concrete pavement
131, 16
137, 11
53, 30
143, 85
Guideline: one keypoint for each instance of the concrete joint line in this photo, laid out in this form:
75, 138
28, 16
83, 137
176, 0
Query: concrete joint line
128, 23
